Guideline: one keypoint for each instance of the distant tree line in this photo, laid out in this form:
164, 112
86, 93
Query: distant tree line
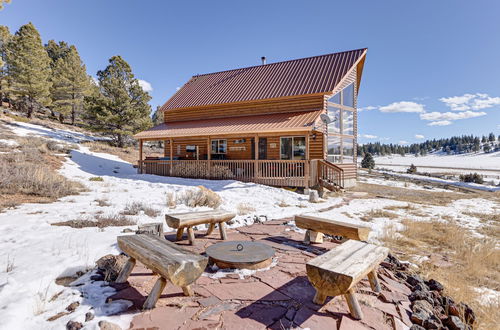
53, 78
454, 145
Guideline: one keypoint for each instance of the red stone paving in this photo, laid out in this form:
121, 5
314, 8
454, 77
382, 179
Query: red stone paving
277, 298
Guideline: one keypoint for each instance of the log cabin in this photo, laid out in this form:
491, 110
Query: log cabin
285, 124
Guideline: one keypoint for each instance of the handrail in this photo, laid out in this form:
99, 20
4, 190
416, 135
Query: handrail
330, 174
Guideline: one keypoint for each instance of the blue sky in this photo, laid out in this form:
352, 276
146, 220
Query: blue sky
429, 62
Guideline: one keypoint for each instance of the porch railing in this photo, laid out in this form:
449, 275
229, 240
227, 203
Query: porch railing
328, 174
268, 172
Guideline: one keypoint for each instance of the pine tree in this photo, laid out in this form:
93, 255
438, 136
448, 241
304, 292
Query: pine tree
491, 137
121, 107
2, 2
157, 116
5, 37
368, 161
29, 68
70, 84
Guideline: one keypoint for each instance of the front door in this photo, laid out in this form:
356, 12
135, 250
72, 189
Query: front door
262, 148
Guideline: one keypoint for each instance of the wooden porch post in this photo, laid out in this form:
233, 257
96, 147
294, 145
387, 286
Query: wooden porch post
306, 168
171, 155
256, 161
209, 158
140, 156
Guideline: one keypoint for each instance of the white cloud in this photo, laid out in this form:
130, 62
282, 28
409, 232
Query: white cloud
146, 86
368, 108
439, 116
403, 142
403, 106
440, 123
95, 81
467, 101
419, 136
369, 136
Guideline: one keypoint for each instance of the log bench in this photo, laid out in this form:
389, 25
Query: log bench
337, 272
164, 258
317, 226
187, 220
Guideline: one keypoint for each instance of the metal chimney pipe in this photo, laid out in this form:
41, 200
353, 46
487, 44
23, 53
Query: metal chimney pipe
263, 58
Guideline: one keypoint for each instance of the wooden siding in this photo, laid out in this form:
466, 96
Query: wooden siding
290, 104
316, 146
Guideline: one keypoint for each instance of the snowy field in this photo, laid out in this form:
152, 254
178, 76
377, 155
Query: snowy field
38, 252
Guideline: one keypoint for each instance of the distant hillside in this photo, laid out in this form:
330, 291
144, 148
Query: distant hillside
454, 145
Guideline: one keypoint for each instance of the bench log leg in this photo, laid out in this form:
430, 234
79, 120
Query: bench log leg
155, 293
313, 237
222, 229
190, 235
353, 304
211, 228
187, 290
319, 298
180, 232
126, 270
374, 283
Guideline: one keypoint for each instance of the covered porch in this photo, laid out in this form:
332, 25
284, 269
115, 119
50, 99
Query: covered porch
284, 150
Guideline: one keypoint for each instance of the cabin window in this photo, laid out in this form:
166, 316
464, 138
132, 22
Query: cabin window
334, 115
347, 122
334, 150
219, 146
347, 150
335, 98
293, 148
348, 96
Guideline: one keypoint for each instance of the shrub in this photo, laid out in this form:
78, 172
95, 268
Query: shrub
96, 178
171, 200
412, 169
200, 196
101, 221
368, 161
472, 177
136, 207
245, 208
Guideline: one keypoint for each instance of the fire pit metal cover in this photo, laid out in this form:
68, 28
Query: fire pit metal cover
241, 254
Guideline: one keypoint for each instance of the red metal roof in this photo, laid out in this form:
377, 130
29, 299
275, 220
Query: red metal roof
279, 122
311, 75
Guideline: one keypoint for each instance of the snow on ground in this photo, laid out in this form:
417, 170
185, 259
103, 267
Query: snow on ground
38, 253
490, 161
399, 184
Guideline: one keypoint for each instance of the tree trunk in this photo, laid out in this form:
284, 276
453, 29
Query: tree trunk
30, 109
119, 140
61, 118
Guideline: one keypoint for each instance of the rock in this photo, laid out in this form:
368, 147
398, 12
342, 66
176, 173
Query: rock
110, 265
433, 323
105, 325
420, 287
454, 323
71, 307
434, 285
313, 196
72, 325
401, 275
414, 280
396, 264
469, 315
128, 230
89, 316
97, 278
422, 305
416, 327
420, 317
421, 295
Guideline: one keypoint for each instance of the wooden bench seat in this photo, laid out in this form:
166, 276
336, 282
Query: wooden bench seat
317, 226
187, 220
166, 259
340, 269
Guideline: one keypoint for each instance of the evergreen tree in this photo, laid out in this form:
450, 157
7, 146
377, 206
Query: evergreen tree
412, 169
486, 147
368, 161
70, 84
29, 68
157, 116
121, 107
5, 37
2, 2
491, 137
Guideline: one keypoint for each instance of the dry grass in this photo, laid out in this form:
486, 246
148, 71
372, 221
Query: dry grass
171, 200
475, 262
378, 213
200, 196
135, 208
129, 154
282, 203
96, 178
102, 202
245, 208
410, 195
100, 221
31, 171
